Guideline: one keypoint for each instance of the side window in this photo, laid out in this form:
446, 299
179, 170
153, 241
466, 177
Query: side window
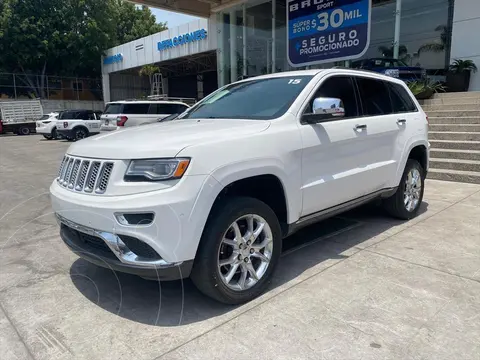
90, 115
153, 109
340, 87
181, 108
375, 97
136, 108
169, 109
401, 100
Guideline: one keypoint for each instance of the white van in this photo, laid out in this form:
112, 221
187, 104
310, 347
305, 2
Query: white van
138, 112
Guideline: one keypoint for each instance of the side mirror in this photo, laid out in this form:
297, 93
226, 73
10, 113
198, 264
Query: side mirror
325, 109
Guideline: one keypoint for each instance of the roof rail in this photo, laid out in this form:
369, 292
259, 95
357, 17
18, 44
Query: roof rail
168, 98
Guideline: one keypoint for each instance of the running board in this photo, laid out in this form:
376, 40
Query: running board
338, 209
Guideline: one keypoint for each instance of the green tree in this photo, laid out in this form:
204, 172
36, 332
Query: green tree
437, 46
149, 70
133, 22
65, 37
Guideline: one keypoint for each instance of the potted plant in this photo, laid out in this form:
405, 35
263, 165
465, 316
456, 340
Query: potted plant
458, 75
425, 89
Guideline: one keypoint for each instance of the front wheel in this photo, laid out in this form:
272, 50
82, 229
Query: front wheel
48, 137
405, 203
54, 135
238, 252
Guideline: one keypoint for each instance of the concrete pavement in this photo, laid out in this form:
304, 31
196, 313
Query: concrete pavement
359, 286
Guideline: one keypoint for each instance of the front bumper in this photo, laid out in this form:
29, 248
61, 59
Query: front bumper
116, 255
180, 213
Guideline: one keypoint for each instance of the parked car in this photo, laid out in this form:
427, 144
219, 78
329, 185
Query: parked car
47, 126
212, 193
392, 67
78, 124
120, 114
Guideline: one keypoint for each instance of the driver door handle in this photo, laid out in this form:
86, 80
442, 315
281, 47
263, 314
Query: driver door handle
360, 127
401, 121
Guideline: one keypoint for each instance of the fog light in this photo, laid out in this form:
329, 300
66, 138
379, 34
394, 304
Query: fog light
135, 219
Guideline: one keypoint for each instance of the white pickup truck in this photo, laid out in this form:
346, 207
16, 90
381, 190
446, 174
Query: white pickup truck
212, 193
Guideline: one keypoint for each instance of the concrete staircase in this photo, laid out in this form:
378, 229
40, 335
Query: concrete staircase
454, 136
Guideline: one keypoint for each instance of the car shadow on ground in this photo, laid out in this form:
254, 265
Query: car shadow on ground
180, 303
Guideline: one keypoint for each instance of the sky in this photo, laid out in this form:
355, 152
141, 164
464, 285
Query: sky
172, 18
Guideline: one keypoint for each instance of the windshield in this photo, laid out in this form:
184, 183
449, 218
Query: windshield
113, 109
261, 99
44, 117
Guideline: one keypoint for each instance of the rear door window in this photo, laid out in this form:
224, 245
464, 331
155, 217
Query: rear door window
114, 108
374, 96
401, 100
136, 108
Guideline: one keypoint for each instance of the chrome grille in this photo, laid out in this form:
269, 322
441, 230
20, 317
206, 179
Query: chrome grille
82, 175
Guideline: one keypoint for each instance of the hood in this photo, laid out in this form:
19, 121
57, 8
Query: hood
163, 139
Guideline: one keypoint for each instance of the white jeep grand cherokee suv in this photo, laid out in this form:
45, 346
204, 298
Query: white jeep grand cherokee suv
212, 194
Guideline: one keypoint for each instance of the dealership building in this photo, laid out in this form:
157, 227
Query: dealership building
233, 39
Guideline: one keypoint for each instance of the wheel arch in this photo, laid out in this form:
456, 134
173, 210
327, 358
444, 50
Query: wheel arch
418, 149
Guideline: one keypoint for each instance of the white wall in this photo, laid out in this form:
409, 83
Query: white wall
465, 36
150, 54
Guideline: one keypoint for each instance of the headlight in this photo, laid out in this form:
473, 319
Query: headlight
47, 122
393, 73
156, 169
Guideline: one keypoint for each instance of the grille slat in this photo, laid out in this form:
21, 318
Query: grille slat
68, 172
92, 176
84, 175
73, 176
102, 181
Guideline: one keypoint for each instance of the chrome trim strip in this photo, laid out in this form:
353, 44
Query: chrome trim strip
118, 247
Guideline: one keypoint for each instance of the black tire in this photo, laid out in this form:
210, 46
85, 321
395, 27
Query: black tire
206, 274
80, 133
24, 130
395, 205
54, 135
48, 137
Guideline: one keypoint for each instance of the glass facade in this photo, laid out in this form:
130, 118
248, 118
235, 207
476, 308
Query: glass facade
252, 37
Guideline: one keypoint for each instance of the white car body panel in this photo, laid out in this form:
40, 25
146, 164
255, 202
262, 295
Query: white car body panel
109, 120
45, 127
318, 165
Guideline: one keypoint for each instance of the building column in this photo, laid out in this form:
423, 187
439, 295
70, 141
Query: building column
396, 37
220, 51
200, 94
274, 36
244, 40
106, 87
233, 47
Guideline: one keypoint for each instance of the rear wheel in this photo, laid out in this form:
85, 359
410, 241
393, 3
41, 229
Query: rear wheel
24, 130
80, 134
238, 252
405, 203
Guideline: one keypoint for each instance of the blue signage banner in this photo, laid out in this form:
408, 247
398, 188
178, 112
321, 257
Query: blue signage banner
182, 39
321, 31
113, 59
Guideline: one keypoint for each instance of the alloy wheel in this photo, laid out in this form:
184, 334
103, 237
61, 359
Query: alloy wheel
413, 189
245, 252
